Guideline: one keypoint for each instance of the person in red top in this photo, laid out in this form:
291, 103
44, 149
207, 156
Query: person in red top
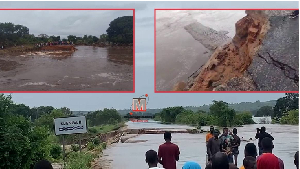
268, 160
168, 153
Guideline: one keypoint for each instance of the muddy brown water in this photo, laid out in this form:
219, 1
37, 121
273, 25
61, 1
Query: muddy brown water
87, 69
192, 146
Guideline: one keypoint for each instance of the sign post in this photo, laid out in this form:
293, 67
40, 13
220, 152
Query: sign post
70, 125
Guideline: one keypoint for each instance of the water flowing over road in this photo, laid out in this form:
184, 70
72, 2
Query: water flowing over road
192, 146
87, 69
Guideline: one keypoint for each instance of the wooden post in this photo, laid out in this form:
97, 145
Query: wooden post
80, 142
63, 137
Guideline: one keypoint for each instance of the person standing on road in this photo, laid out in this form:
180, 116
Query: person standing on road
208, 136
226, 140
296, 160
268, 160
260, 135
235, 145
168, 153
213, 145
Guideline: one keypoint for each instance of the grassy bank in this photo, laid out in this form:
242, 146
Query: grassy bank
92, 150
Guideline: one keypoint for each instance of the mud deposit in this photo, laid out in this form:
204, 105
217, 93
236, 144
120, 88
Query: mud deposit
185, 40
87, 69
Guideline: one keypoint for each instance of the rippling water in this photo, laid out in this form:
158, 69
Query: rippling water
88, 68
192, 146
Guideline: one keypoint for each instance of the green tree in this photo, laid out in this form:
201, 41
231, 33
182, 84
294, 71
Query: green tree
291, 117
265, 111
72, 38
47, 120
22, 144
103, 38
285, 104
224, 115
102, 117
121, 30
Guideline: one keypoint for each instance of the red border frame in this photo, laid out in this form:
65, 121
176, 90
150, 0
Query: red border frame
82, 91
155, 91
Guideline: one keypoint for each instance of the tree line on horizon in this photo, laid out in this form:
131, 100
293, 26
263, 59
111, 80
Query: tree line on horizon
119, 31
285, 111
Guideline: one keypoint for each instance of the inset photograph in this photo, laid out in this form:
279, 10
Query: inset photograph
226, 50
67, 50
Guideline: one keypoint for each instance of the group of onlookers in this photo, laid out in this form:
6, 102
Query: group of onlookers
54, 43
222, 152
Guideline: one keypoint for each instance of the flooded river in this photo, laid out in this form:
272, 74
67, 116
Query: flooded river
192, 146
87, 69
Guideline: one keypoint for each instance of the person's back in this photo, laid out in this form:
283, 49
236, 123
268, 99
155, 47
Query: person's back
250, 150
268, 160
249, 162
220, 161
152, 159
168, 153
191, 165
296, 159
43, 164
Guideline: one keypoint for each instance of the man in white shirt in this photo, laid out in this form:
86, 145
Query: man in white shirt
152, 159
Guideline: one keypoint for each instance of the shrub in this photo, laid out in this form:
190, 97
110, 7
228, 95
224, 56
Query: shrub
90, 146
75, 147
55, 151
93, 130
96, 141
104, 145
77, 160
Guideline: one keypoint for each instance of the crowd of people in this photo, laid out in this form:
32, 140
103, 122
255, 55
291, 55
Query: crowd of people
54, 43
222, 152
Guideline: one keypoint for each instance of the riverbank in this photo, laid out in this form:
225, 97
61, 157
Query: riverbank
57, 50
93, 143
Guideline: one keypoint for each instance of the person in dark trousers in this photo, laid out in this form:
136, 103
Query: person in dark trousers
168, 153
296, 160
152, 159
226, 140
260, 135
235, 145
268, 160
220, 161
249, 162
213, 145
43, 164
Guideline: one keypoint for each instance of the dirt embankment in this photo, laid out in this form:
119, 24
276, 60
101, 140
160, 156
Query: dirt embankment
227, 68
54, 50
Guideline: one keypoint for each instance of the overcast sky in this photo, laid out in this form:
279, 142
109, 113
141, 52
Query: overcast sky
64, 22
144, 34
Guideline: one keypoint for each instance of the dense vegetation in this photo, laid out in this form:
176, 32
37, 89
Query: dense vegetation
285, 111
238, 107
220, 114
120, 31
27, 135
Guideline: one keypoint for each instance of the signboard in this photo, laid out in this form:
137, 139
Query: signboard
70, 125
139, 104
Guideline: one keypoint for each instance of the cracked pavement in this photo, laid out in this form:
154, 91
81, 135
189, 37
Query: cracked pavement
276, 65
